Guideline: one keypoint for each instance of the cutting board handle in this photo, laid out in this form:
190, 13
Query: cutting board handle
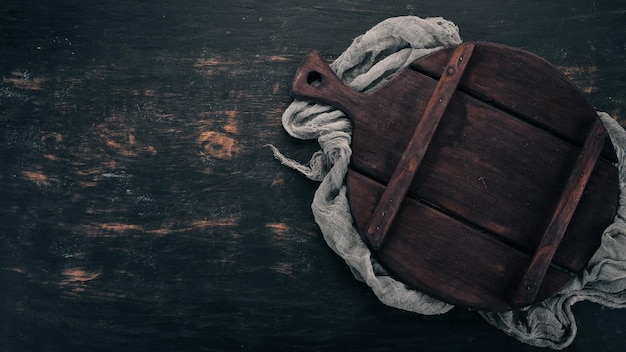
315, 80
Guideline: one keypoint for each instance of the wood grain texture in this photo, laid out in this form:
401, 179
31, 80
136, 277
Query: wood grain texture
139, 211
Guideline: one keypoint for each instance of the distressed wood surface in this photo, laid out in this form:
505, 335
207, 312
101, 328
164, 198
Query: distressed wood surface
140, 212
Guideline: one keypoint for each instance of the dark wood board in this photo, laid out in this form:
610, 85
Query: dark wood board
139, 211
439, 142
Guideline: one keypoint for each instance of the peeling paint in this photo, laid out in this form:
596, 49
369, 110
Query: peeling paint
16, 269
218, 145
39, 178
231, 125
278, 58
215, 223
278, 181
212, 65
106, 229
78, 275
76, 278
121, 138
280, 229
23, 80
119, 227
583, 76
65, 108
51, 138
284, 268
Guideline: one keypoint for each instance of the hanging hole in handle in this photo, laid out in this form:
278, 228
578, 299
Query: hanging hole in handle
314, 79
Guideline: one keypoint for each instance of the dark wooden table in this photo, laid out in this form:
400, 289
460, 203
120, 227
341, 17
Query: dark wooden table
139, 210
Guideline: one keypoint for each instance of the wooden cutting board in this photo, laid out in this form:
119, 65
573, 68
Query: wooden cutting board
479, 174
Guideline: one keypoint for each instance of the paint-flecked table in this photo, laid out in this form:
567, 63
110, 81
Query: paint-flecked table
139, 210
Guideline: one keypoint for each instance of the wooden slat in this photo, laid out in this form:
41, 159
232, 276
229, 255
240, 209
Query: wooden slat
529, 286
412, 156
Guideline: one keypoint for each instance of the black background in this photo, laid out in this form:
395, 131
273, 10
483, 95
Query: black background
139, 210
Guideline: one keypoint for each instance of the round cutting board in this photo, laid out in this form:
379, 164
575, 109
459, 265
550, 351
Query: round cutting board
479, 174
